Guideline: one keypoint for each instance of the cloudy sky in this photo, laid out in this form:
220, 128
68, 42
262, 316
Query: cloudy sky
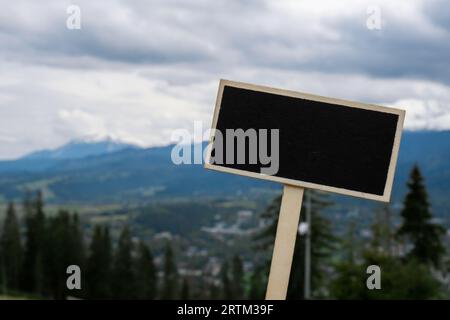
137, 70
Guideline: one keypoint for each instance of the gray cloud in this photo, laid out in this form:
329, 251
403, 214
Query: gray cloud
140, 69
252, 33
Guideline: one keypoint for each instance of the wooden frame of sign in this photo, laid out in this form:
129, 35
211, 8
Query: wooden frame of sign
294, 188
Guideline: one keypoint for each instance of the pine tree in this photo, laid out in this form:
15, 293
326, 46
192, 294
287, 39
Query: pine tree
123, 272
33, 278
77, 244
265, 238
64, 248
226, 285
417, 226
55, 254
98, 266
214, 291
145, 273
76, 251
185, 290
11, 250
400, 279
350, 245
349, 281
237, 278
3, 281
382, 231
170, 278
322, 243
26, 271
257, 285
322, 246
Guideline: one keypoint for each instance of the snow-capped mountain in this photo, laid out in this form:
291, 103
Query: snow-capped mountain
81, 148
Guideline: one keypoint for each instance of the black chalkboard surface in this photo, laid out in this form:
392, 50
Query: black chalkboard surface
323, 143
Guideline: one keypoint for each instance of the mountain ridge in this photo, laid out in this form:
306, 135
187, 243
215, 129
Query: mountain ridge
138, 175
81, 148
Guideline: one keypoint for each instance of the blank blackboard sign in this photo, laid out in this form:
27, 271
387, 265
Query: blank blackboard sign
324, 143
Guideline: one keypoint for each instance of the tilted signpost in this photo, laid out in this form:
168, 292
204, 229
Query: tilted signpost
302, 141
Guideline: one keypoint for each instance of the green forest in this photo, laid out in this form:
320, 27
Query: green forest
36, 249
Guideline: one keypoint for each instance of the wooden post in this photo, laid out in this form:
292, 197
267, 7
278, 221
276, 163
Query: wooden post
283, 250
